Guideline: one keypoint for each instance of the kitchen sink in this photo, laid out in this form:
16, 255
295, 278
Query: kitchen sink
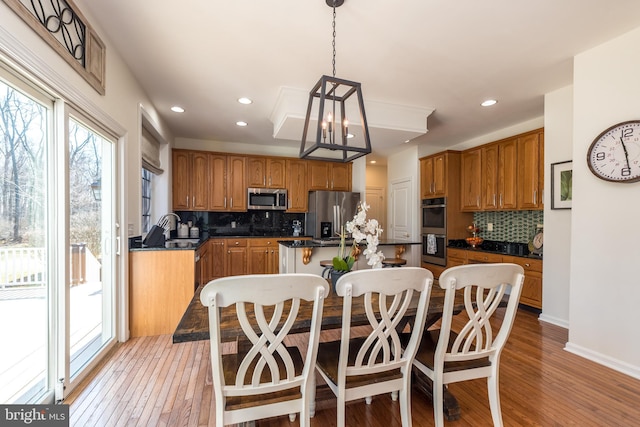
182, 241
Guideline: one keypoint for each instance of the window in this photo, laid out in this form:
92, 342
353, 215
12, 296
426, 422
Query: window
147, 180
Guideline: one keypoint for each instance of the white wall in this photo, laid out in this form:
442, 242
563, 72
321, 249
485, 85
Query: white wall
604, 283
558, 137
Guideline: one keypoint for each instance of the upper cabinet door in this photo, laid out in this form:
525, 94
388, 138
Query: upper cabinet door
529, 194
471, 179
341, 176
264, 172
190, 184
236, 183
218, 187
257, 172
507, 174
318, 175
297, 185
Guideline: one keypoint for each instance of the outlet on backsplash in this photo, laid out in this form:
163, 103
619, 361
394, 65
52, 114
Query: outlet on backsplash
508, 226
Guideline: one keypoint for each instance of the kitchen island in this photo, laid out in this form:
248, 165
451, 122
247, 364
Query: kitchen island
304, 256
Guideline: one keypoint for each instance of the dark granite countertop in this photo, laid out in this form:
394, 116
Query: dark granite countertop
335, 243
497, 247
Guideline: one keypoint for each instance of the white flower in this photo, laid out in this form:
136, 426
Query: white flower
361, 230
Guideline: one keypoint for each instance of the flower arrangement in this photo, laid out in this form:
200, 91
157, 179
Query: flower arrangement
361, 229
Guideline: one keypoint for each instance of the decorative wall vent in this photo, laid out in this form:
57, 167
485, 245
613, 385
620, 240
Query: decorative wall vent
60, 23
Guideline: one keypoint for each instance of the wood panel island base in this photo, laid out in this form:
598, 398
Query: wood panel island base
305, 256
160, 288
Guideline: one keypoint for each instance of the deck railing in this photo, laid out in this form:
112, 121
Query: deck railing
22, 267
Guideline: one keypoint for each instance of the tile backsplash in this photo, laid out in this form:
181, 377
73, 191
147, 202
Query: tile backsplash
508, 226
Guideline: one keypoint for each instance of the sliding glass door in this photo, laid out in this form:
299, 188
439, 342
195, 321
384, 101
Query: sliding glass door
58, 259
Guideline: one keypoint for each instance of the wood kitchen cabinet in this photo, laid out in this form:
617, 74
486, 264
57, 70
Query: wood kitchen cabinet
499, 167
297, 189
263, 256
236, 183
227, 188
471, 179
265, 172
328, 176
532, 288
433, 182
217, 259
530, 156
190, 184
235, 257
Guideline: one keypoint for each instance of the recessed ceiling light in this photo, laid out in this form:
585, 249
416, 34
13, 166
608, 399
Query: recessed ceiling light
350, 135
241, 123
373, 162
489, 103
177, 109
244, 100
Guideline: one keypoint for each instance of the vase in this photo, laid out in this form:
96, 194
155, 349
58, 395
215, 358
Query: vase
335, 275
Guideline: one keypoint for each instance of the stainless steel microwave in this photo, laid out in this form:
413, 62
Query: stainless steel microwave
273, 199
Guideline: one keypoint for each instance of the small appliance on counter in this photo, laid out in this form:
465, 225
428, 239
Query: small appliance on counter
183, 231
297, 227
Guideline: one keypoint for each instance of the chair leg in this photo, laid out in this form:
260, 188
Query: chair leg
494, 399
438, 403
405, 404
311, 394
341, 410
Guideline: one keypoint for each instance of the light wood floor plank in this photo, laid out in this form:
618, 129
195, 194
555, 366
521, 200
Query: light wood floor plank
152, 382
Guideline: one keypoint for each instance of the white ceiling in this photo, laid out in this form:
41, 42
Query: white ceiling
432, 54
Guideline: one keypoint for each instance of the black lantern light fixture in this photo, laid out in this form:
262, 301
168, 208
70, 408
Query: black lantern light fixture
334, 102
96, 189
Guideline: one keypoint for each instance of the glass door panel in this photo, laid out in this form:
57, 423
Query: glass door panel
25, 289
91, 237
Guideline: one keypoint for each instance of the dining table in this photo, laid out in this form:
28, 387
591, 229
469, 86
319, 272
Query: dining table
194, 326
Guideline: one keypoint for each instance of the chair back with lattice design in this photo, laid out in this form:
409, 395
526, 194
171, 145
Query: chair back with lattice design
387, 295
266, 307
484, 288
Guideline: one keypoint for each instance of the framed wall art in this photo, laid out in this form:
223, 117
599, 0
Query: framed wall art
561, 184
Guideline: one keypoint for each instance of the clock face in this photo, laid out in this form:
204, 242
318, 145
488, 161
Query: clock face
537, 240
615, 154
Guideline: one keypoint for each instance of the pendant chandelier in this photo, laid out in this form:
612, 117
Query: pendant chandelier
331, 131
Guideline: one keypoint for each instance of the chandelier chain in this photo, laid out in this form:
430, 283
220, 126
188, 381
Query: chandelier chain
334, 38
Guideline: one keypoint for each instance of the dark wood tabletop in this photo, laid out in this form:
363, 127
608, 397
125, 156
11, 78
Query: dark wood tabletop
194, 325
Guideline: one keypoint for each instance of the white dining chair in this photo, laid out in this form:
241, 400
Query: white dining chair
361, 367
265, 378
474, 352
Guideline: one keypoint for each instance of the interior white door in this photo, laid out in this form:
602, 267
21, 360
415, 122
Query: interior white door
377, 208
401, 217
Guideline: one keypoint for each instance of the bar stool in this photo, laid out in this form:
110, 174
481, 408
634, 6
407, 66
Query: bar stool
393, 262
327, 264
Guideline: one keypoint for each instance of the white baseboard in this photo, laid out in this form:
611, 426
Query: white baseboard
615, 364
554, 320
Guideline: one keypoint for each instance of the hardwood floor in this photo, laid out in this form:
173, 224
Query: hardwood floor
151, 382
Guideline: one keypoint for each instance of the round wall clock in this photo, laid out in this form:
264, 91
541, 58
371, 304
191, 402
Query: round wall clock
615, 154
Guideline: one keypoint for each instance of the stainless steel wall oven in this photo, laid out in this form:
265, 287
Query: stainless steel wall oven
434, 231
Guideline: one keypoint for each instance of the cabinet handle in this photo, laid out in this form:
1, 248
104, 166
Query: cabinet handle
494, 199
535, 196
266, 251
477, 200
225, 202
526, 264
231, 205
326, 185
187, 201
500, 199
236, 243
228, 252
193, 200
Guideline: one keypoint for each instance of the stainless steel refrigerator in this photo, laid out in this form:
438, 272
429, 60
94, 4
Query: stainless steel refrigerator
329, 211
